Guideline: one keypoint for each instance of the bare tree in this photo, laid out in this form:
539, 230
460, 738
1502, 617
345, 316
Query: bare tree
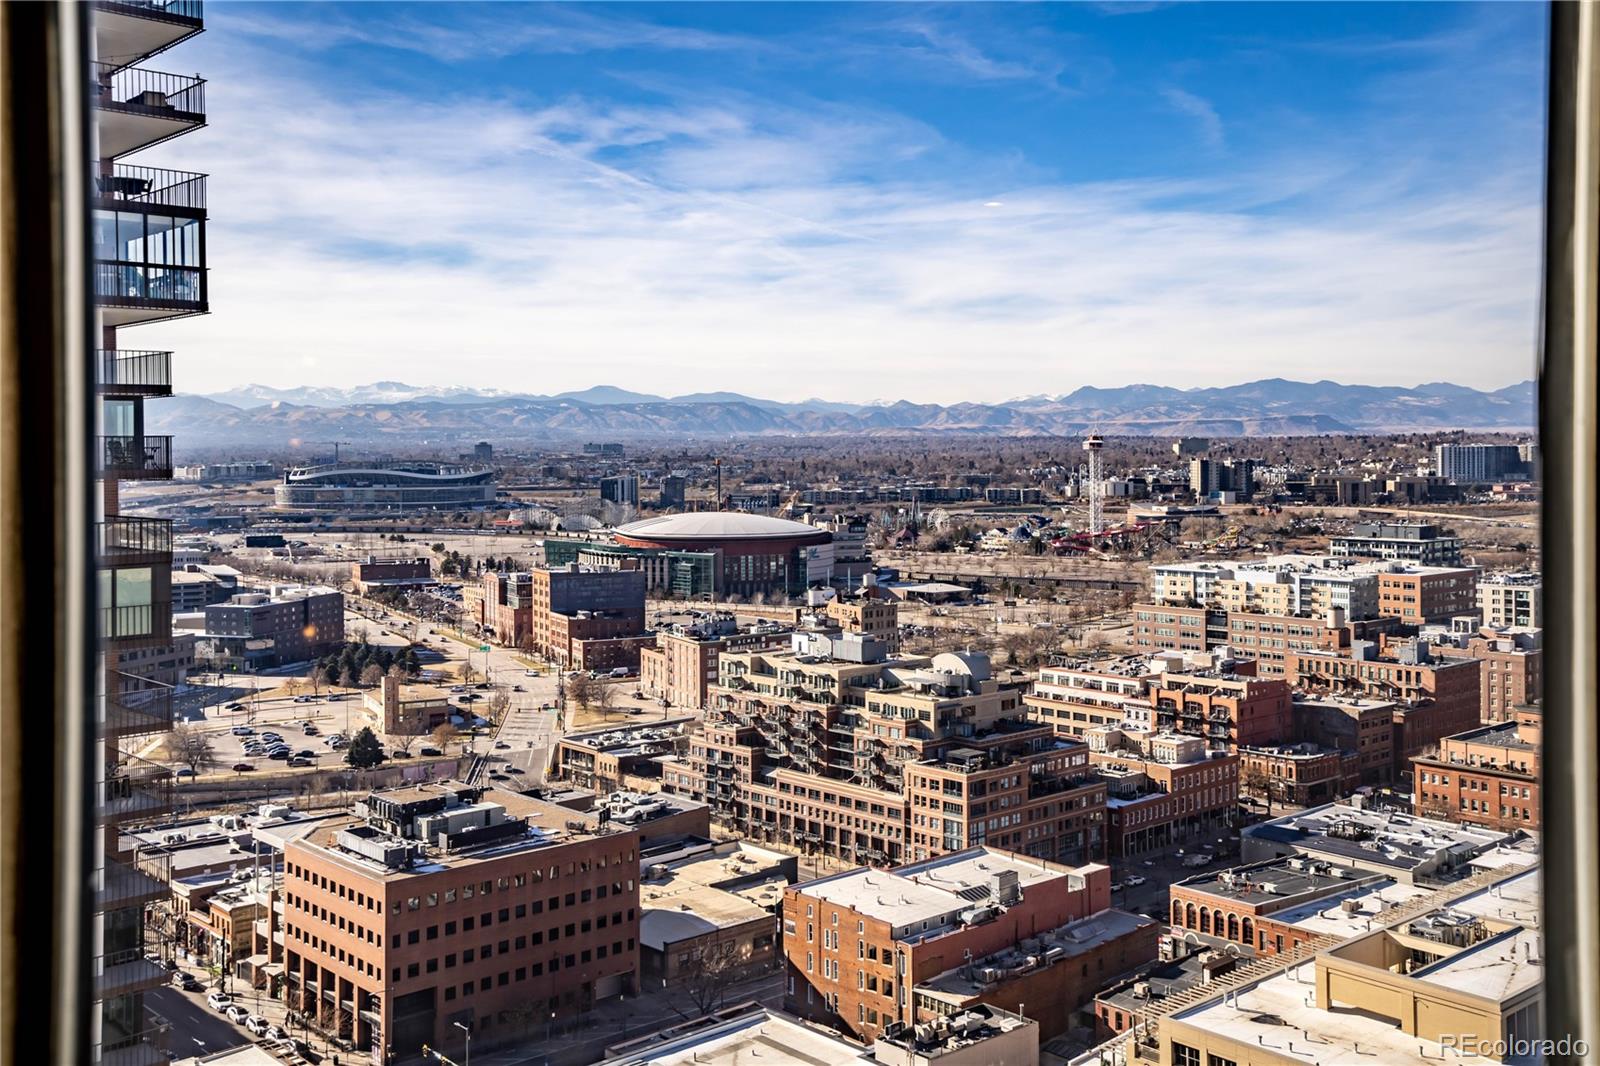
604, 698
581, 689
443, 735
499, 703
372, 675
190, 747
704, 979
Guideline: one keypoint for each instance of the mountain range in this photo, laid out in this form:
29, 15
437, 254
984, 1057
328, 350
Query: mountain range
391, 414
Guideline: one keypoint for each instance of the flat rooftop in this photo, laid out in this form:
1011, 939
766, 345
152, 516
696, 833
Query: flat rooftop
761, 1035
1498, 735
1329, 915
1505, 965
1274, 1014
1379, 837
1052, 948
1262, 882
932, 892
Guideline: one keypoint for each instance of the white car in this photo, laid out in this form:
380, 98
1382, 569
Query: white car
242, 731
1134, 881
219, 1000
236, 1014
256, 1024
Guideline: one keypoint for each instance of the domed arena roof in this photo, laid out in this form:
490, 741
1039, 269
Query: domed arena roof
716, 525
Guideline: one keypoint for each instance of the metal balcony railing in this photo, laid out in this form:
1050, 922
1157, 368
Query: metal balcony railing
134, 790
130, 372
117, 973
138, 705
118, 283
134, 186
125, 540
138, 91
163, 10
137, 621
118, 885
131, 458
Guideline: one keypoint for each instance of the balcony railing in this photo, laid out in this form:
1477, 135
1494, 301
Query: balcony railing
135, 790
128, 372
163, 10
118, 283
118, 885
137, 705
117, 973
138, 91
150, 622
131, 458
124, 540
134, 186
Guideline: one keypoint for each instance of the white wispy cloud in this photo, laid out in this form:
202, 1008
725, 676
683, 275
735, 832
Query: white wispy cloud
1207, 122
801, 250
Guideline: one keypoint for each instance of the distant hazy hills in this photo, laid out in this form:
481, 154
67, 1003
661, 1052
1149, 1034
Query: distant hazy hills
394, 414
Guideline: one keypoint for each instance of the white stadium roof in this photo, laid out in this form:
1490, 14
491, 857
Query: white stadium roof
711, 525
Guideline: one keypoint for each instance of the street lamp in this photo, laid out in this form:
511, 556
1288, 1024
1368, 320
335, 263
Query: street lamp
468, 1030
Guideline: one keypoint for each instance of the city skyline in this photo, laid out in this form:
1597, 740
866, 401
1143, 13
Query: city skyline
1065, 196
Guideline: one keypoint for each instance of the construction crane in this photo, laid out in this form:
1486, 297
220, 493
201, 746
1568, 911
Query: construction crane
335, 444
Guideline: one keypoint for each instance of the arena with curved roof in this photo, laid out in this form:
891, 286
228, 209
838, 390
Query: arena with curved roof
401, 485
759, 555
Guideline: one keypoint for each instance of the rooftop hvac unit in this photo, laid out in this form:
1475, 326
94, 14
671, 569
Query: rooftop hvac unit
1350, 906
1141, 989
988, 975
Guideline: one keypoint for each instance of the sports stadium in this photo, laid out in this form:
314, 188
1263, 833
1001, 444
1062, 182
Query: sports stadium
400, 485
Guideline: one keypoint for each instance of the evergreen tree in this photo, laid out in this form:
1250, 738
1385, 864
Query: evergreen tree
365, 751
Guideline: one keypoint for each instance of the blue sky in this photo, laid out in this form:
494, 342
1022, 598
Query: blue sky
936, 203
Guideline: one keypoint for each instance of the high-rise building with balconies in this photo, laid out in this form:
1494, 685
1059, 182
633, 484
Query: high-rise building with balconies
148, 226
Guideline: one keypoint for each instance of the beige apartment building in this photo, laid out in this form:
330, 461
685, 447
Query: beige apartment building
1461, 984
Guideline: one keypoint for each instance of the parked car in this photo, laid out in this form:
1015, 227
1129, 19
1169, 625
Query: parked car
501, 745
271, 736
517, 688
280, 753
219, 1001
236, 1014
302, 699
185, 772
1135, 881
185, 981
305, 753
276, 1032
1117, 886
297, 761
310, 729
256, 1024
242, 731
432, 751
515, 770
458, 688
243, 767
400, 753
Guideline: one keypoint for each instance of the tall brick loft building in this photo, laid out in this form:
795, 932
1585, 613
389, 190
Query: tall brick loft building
447, 903
1162, 788
1513, 666
846, 752
576, 617
1225, 709
1433, 697
868, 948
1487, 776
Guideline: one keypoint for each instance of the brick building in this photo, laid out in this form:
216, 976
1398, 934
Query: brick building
1226, 709
876, 760
868, 948
372, 573
1162, 789
681, 666
256, 630
1513, 667
1433, 697
1487, 776
1302, 774
447, 903
1418, 594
